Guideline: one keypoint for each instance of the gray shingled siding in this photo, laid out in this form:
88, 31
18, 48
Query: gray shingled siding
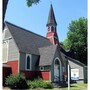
12, 48
22, 61
52, 72
47, 54
34, 60
52, 66
65, 63
13, 53
47, 68
81, 71
66, 68
85, 74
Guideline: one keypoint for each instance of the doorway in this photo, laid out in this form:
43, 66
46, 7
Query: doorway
56, 70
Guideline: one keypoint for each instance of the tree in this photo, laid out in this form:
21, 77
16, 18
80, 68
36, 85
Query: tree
66, 44
30, 2
77, 39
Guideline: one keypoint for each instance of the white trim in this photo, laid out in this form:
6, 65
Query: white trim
68, 77
12, 38
4, 61
9, 61
26, 62
7, 47
52, 37
42, 68
60, 67
50, 76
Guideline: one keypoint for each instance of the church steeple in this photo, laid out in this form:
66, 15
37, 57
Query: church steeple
51, 17
51, 26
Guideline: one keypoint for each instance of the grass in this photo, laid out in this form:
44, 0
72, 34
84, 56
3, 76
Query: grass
76, 86
81, 84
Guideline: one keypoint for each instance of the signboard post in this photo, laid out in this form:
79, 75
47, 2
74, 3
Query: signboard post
75, 74
68, 77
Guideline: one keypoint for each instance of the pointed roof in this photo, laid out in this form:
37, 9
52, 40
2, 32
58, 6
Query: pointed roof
51, 17
27, 41
47, 54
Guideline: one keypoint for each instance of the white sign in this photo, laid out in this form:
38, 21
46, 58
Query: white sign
74, 74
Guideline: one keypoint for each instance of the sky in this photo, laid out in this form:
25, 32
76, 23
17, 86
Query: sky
35, 18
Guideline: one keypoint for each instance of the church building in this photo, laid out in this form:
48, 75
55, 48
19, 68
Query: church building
35, 55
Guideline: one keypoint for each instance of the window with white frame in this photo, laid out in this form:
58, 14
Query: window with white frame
41, 68
28, 61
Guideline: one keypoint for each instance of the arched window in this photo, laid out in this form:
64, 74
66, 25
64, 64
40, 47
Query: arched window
52, 28
28, 62
57, 62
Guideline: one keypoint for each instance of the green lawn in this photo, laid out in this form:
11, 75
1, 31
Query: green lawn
77, 86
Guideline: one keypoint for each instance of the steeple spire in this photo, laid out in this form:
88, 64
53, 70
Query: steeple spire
51, 27
51, 17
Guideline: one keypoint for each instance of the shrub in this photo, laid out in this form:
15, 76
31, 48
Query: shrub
39, 83
47, 85
16, 81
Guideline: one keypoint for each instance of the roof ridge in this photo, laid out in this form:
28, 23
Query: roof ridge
25, 29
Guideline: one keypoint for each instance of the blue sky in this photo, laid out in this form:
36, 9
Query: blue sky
35, 18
